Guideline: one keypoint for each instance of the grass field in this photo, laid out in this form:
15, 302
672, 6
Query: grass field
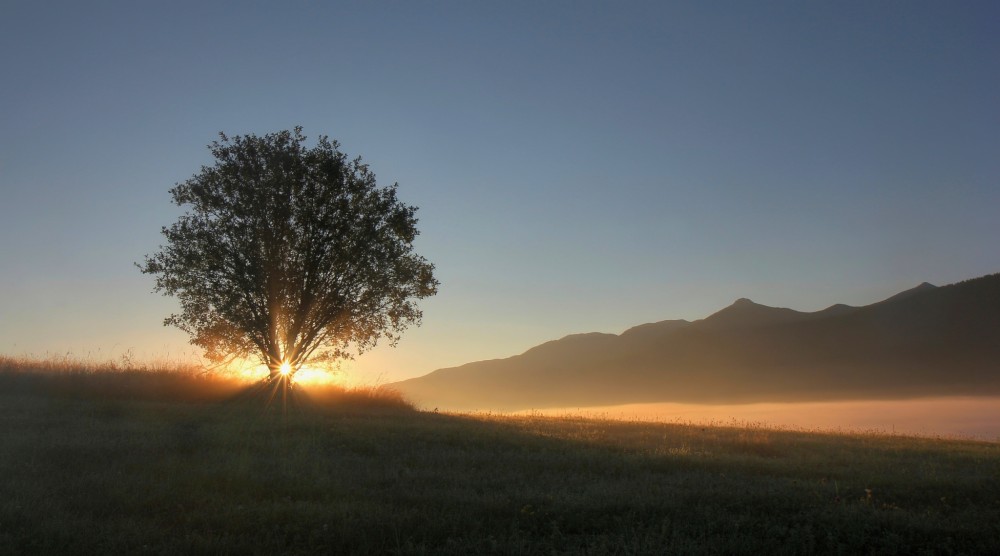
145, 461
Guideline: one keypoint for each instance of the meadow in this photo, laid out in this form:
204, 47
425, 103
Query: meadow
105, 460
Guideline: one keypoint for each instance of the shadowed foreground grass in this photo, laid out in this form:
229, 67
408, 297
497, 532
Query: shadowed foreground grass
107, 474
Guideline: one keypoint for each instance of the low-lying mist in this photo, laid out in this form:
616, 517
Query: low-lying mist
965, 417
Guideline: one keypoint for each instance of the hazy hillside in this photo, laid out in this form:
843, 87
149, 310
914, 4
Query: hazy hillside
924, 341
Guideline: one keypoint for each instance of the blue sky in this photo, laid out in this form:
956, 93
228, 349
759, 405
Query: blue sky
579, 166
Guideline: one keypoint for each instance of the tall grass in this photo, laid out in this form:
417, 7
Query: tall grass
128, 379
97, 471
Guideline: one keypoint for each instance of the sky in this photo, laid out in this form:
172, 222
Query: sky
578, 166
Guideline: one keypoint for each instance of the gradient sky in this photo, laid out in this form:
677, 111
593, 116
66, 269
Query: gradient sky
579, 166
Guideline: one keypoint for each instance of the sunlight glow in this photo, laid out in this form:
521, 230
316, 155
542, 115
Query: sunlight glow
285, 369
305, 376
315, 376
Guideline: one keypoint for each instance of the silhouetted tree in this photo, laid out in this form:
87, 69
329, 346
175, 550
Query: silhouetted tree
289, 254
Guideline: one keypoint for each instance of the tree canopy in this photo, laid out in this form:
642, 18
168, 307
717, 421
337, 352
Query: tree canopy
290, 254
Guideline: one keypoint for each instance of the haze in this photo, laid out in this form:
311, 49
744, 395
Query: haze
959, 417
579, 166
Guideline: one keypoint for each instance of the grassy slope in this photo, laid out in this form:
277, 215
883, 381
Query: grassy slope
110, 474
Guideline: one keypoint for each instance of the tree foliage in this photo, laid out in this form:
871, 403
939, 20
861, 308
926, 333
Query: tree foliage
289, 254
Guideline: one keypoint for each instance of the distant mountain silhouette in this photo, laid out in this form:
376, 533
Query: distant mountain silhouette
744, 312
924, 341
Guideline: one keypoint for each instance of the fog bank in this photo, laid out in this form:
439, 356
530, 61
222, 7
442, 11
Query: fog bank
969, 417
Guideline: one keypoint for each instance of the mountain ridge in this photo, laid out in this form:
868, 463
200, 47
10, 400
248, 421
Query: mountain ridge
926, 340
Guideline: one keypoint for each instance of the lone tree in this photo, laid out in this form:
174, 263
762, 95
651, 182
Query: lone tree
289, 254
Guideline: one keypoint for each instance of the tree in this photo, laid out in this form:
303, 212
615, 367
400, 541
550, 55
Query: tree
289, 254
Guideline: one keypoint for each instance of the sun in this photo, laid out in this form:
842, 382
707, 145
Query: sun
303, 376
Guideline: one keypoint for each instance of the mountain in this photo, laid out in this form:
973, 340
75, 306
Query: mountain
744, 312
924, 341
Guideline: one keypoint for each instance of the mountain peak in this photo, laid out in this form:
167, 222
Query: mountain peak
744, 312
923, 287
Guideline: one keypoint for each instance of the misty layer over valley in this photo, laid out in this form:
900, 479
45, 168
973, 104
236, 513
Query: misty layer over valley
924, 342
